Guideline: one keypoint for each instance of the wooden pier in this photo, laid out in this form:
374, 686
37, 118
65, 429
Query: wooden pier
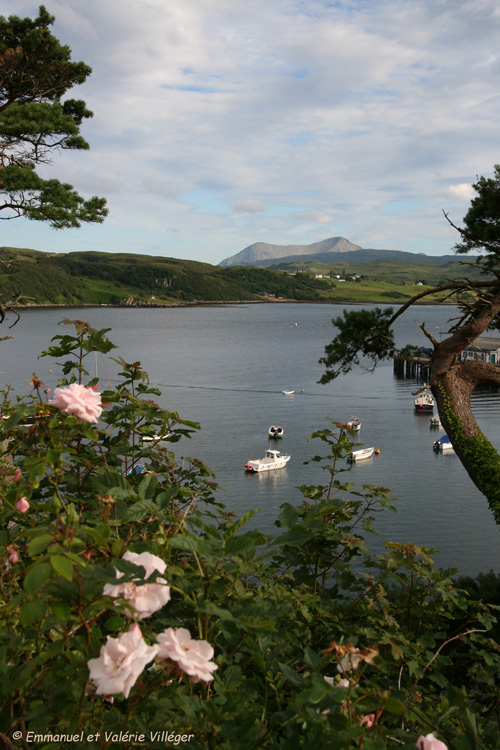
412, 367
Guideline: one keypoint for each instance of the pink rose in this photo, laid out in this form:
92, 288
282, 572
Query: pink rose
193, 657
135, 629
120, 663
22, 505
79, 400
368, 721
429, 742
12, 554
145, 599
17, 476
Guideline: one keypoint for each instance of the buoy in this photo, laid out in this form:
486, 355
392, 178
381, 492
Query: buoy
50, 370
295, 323
377, 452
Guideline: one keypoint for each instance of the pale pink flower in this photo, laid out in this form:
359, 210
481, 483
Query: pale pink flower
368, 721
135, 629
121, 661
429, 742
350, 661
192, 657
79, 400
145, 599
343, 683
22, 505
12, 554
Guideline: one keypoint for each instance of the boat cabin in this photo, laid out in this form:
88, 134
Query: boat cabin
272, 454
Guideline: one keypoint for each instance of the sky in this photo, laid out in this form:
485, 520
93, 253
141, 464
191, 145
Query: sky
220, 123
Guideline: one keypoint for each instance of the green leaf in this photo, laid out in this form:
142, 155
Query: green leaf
39, 543
395, 707
32, 611
312, 658
36, 577
232, 530
62, 610
138, 511
63, 566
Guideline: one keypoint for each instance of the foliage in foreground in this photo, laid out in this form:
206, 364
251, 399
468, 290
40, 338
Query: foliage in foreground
406, 652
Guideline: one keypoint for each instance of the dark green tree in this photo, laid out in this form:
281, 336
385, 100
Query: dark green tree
369, 333
35, 73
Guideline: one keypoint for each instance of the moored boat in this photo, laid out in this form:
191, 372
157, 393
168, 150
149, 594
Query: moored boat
361, 454
272, 460
354, 424
443, 445
275, 431
288, 393
155, 439
424, 401
436, 422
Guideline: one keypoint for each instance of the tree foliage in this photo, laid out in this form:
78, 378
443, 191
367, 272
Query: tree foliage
35, 73
317, 643
452, 381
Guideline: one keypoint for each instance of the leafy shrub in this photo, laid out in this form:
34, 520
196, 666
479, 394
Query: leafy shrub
298, 639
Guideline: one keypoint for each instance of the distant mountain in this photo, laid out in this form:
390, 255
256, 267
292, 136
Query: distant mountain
360, 256
332, 250
261, 253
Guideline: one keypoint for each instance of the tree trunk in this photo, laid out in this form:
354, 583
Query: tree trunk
452, 384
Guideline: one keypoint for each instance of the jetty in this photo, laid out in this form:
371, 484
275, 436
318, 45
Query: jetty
412, 367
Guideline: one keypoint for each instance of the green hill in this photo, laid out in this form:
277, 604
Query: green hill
114, 278
93, 278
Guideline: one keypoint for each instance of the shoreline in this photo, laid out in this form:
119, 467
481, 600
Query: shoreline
219, 303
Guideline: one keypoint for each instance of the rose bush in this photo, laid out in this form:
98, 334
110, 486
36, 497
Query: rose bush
99, 528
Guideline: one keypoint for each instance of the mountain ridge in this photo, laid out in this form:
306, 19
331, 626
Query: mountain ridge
330, 250
265, 251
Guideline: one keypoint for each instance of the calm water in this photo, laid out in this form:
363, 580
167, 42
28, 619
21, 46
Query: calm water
226, 367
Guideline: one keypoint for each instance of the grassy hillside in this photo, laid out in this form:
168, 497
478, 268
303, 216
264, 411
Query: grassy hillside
114, 278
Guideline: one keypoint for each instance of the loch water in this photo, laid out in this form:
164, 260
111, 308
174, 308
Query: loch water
226, 367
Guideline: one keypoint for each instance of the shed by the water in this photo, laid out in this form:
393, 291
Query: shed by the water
483, 349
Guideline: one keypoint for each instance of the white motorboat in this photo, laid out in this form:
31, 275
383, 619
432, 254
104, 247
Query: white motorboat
436, 422
272, 460
275, 431
443, 445
424, 401
155, 439
288, 393
361, 454
354, 424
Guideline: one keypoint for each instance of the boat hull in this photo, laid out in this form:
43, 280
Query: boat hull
262, 464
361, 455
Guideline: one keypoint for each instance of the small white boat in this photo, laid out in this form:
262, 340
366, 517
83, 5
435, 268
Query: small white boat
424, 401
275, 431
354, 424
361, 454
272, 460
155, 439
436, 422
288, 393
443, 445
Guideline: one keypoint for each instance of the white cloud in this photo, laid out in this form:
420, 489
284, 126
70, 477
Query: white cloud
461, 192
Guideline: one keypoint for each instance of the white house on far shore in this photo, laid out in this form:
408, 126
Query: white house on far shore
483, 349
